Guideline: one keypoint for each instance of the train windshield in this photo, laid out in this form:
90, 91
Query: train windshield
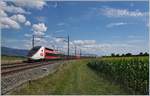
34, 50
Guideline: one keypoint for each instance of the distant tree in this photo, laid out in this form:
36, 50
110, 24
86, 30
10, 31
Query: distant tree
117, 55
123, 55
112, 54
128, 54
145, 54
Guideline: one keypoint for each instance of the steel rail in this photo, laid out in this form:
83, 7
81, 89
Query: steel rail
18, 69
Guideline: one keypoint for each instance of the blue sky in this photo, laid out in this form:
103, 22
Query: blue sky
94, 27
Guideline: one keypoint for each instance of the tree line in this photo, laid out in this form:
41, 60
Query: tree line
129, 54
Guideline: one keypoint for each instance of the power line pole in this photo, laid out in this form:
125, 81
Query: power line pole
80, 53
75, 50
33, 41
68, 46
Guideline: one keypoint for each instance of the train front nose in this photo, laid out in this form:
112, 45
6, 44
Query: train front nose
30, 55
35, 53
32, 52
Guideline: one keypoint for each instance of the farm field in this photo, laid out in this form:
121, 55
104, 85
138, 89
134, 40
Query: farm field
11, 59
72, 78
130, 72
108, 75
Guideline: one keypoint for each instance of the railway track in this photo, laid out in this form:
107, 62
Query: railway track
4, 66
13, 68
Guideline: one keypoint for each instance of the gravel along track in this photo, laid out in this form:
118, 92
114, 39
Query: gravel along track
13, 68
15, 76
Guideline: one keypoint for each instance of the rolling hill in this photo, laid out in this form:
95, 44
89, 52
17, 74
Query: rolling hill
13, 51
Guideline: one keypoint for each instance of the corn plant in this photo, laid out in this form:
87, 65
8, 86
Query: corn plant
130, 72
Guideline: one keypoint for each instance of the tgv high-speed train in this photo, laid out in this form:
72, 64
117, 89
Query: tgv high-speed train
42, 53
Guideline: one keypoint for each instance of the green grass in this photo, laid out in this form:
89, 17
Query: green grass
10, 59
72, 78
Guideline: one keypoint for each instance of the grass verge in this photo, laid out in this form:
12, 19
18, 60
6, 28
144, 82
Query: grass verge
11, 59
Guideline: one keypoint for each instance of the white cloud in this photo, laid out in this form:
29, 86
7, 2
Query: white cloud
28, 23
108, 48
84, 42
39, 4
27, 35
39, 30
89, 46
135, 41
39, 27
11, 8
14, 20
38, 33
2, 13
17, 11
19, 18
96, 47
37, 39
59, 40
116, 24
113, 12
6, 22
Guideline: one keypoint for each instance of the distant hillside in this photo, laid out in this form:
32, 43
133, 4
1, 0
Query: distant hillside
13, 51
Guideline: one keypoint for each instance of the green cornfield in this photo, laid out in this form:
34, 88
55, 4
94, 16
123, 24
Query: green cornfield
130, 72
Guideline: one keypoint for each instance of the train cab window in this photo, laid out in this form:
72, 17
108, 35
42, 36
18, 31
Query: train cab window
34, 50
49, 49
